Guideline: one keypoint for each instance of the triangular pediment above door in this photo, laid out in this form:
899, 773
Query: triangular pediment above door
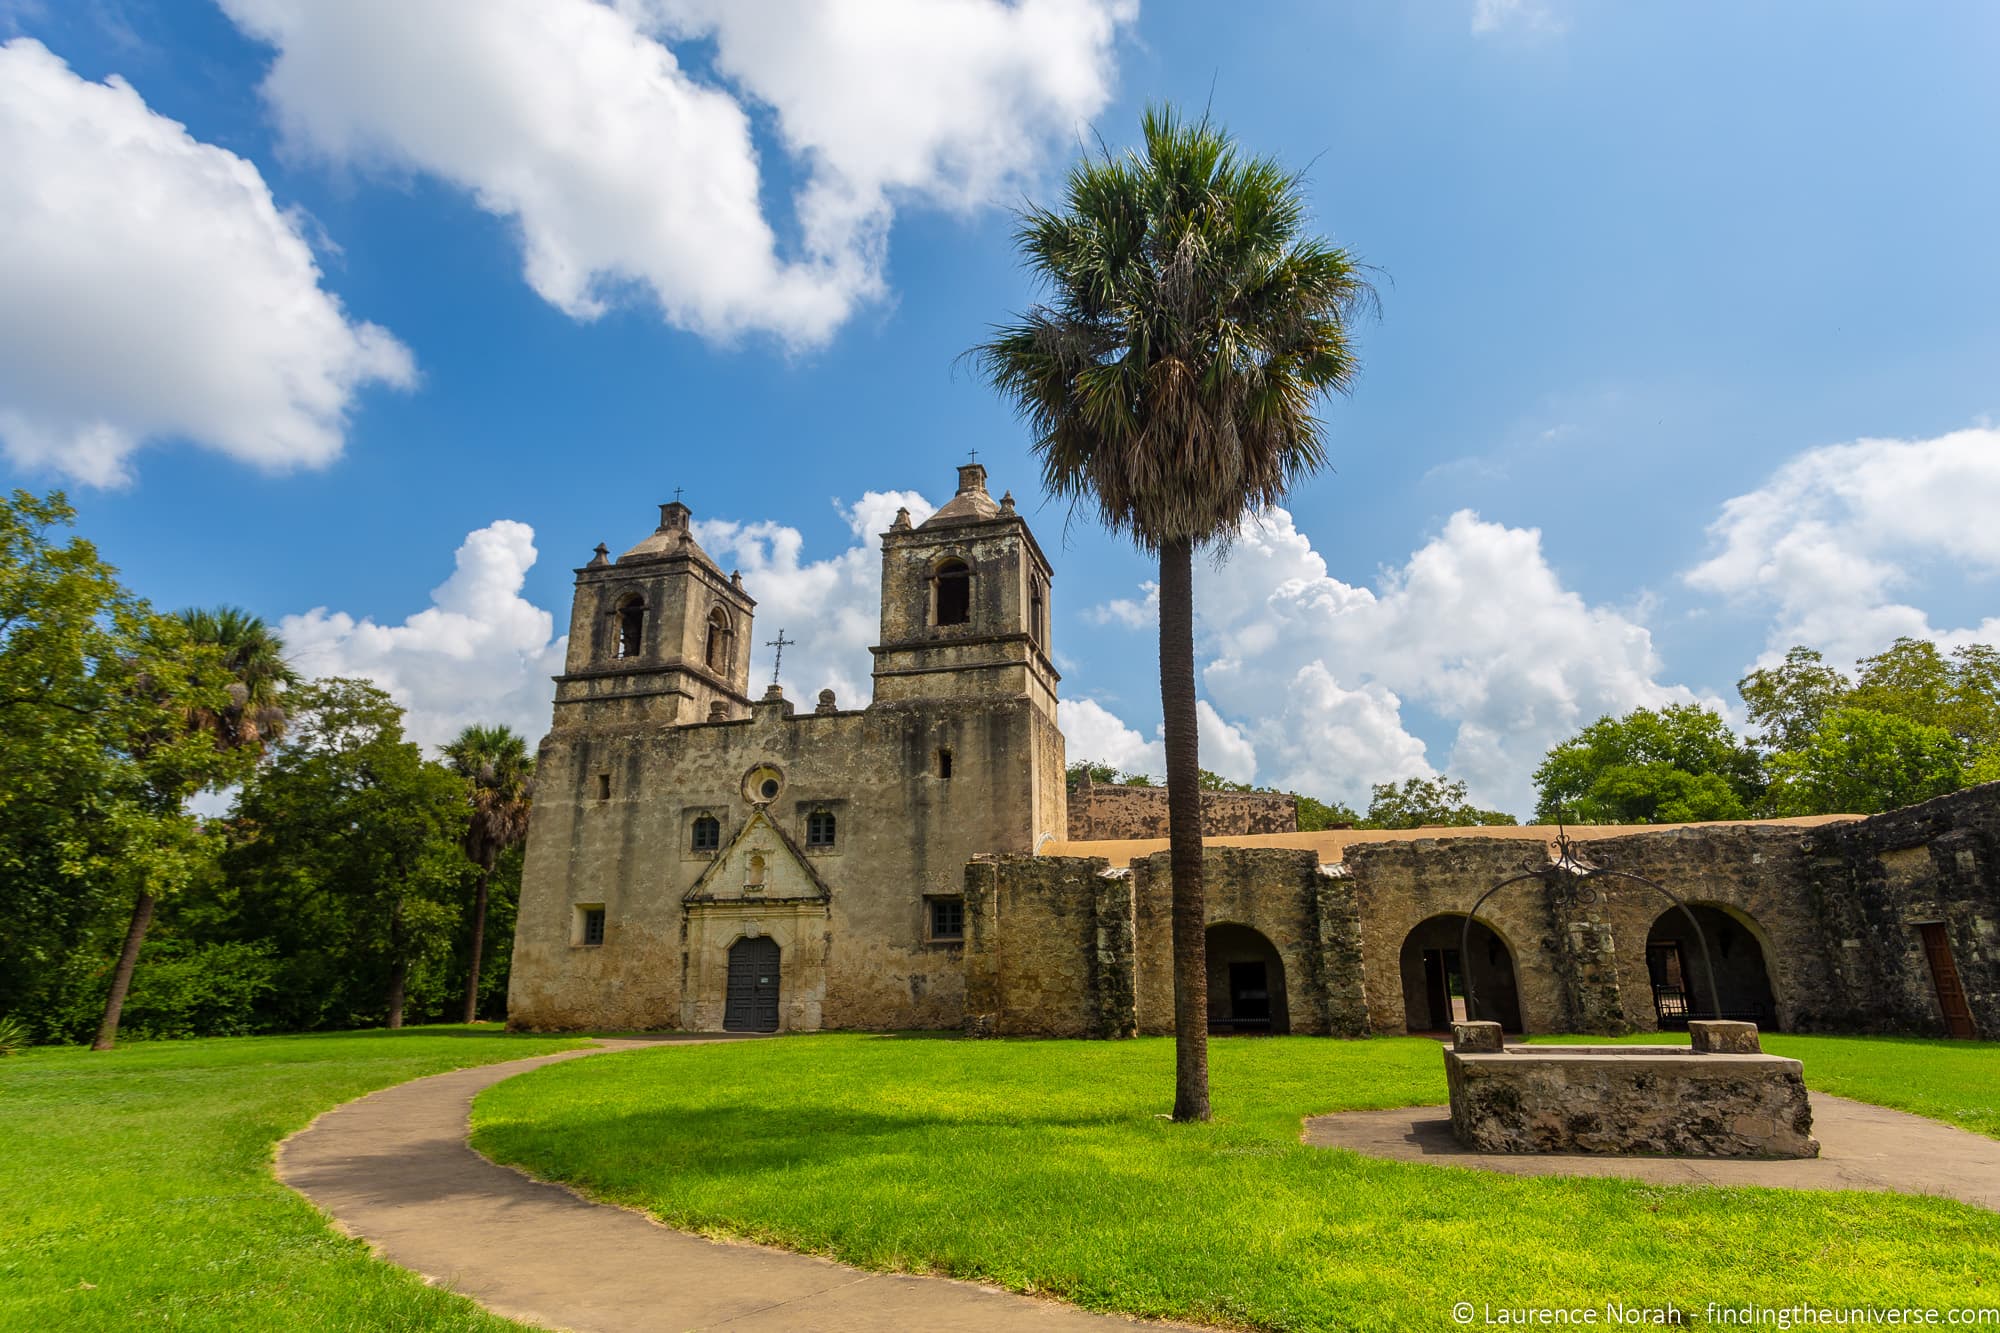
759, 864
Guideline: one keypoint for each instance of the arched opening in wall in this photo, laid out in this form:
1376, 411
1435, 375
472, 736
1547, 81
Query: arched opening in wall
1038, 614
717, 652
751, 1004
631, 626
1246, 982
952, 592
1679, 977
1434, 976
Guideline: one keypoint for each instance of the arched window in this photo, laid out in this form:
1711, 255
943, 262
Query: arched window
1036, 611
707, 833
631, 626
954, 593
820, 828
717, 655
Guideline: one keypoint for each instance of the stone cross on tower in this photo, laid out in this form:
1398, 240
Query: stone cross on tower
780, 643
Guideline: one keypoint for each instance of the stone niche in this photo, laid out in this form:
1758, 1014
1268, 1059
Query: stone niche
1720, 1097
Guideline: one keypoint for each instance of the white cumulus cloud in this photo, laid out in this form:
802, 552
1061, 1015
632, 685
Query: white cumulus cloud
151, 289
1476, 626
480, 652
624, 171
1833, 537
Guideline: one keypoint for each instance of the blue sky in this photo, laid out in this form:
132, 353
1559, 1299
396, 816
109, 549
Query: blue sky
1690, 323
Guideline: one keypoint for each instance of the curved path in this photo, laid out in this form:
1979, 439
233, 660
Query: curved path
394, 1169
1861, 1147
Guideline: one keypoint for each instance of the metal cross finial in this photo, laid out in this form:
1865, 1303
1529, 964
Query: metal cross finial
780, 643
677, 495
975, 455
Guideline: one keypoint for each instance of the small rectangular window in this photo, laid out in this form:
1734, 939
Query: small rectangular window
944, 763
820, 828
603, 786
589, 928
947, 918
707, 833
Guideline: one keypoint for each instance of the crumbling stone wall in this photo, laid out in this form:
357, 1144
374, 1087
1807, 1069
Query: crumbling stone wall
1834, 911
1098, 811
1875, 884
1032, 956
1754, 873
1403, 884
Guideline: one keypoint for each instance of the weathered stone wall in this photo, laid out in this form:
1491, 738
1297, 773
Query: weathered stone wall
1401, 885
1833, 913
1877, 882
1101, 811
1033, 942
1754, 874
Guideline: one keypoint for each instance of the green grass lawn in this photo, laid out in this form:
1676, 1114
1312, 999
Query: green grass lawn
136, 1187
1044, 1166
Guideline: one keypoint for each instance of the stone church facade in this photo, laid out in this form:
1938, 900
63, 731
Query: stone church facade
705, 857
699, 857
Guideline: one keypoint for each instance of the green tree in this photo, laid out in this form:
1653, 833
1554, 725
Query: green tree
1191, 326
1860, 762
1098, 772
71, 638
228, 730
500, 773
1673, 765
1316, 815
347, 808
1913, 679
1788, 701
1427, 803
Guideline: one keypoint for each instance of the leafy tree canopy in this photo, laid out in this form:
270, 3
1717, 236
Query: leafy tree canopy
1672, 765
1859, 761
1427, 803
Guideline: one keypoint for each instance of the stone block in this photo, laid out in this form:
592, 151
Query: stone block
1642, 1100
1476, 1037
1721, 1037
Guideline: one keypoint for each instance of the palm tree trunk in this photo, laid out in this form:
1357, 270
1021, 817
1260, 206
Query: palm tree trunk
478, 944
1184, 831
399, 966
121, 980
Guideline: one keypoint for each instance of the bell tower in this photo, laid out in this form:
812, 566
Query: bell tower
659, 634
965, 605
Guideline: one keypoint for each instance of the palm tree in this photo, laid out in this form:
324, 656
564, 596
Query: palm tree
250, 717
502, 773
1170, 378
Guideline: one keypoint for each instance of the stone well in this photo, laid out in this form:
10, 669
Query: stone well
1720, 1097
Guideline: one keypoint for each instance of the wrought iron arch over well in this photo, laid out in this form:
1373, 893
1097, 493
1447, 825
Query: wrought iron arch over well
1568, 882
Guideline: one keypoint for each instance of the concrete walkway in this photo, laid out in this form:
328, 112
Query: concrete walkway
394, 1169
1862, 1147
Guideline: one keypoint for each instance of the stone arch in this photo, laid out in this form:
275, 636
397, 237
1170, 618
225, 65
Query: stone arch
716, 651
629, 626
951, 592
1246, 981
1679, 977
1434, 976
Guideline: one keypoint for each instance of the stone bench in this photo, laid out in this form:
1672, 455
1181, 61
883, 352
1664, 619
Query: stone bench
1720, 1097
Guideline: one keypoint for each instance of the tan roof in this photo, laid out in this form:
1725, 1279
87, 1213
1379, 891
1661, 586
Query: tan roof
1332, 844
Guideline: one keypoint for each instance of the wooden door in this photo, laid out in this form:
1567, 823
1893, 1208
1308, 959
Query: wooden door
1944, 974
752, 1002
